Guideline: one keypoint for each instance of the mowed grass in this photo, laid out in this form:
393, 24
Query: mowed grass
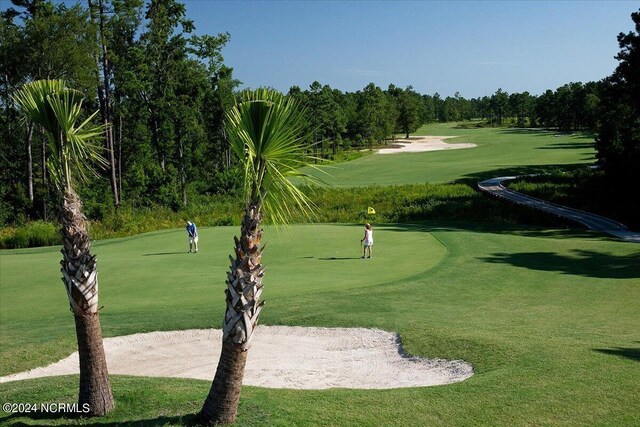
549, 319
150, 282
499, 151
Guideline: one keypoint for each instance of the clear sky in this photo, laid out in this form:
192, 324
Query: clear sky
473, 47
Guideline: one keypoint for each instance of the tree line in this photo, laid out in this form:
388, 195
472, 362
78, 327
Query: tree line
372, 115
163, 92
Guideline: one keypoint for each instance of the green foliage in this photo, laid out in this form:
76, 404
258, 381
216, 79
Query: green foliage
59, 43
377, 114
266, 131
411, 110
618, 140
349, 155
34, 234
129, 221
227, 182
409, 203
57, 109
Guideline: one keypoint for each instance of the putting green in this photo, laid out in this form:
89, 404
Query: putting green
153, 273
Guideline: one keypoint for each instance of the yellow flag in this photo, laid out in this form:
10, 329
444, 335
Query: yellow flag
371, 211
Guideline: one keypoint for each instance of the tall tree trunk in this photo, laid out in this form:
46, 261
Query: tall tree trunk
80, 277
30, 162
45, 185
107, 104
95, 389
155, 136
181, 165
183, 178
104, 94
221, 405
244, 286
120, 156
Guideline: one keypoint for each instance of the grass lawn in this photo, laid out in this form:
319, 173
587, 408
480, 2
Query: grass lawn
499, 151
549, 319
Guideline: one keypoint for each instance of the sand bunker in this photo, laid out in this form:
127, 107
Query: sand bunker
281, 357
417, 144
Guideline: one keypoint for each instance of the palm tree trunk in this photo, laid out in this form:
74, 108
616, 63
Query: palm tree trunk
95, 389
80, 277
221, 405
244, 286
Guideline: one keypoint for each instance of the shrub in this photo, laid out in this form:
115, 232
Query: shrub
38, 233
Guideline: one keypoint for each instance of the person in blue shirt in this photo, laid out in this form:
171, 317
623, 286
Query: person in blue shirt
193, 236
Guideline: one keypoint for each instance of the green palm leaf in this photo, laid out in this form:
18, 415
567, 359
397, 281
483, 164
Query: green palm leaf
266, 131
57, 109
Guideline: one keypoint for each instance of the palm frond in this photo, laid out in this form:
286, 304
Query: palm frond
57, 109
31, 99
266, 131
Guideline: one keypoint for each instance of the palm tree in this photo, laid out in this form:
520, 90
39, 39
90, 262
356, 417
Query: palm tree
57, 109
265, 131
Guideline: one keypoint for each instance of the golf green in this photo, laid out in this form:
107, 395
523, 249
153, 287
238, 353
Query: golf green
150, 281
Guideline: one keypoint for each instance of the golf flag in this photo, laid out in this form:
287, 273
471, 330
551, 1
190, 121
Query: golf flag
371, 211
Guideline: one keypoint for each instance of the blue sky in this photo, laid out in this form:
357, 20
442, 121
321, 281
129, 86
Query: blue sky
471, 47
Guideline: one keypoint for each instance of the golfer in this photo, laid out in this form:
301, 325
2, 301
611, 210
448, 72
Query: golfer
368, 240
193, 236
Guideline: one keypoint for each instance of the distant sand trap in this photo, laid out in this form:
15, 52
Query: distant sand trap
280, 357
417, 144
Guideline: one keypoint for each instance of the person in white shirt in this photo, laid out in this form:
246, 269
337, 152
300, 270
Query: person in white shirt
368, 241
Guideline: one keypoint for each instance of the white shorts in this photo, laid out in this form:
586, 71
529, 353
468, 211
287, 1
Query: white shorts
193, 239
367, 243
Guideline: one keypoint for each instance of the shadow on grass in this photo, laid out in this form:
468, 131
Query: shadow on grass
59, 419
584, 263
523, 230
528, 131
567, 146
165, 253
626, 352
548, 132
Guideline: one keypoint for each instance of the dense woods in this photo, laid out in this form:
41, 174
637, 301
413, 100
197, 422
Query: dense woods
164, 91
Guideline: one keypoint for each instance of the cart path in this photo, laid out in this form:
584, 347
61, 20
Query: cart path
594, 222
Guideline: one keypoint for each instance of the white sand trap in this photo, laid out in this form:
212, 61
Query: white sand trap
418, 144
280, 357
